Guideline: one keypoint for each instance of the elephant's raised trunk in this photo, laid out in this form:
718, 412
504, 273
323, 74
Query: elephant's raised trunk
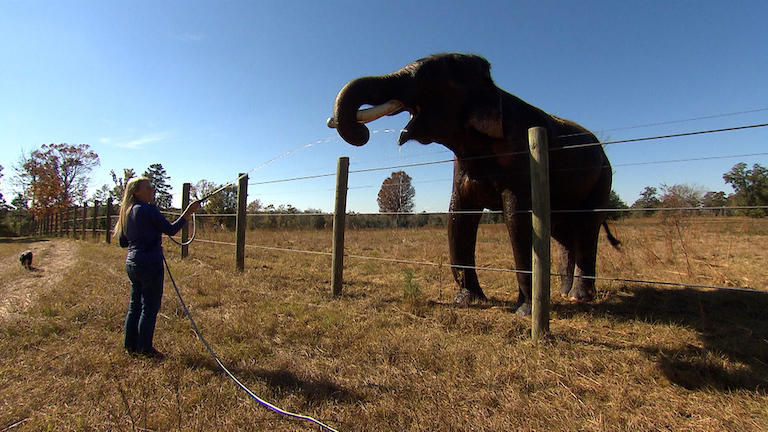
385, 93
370, 114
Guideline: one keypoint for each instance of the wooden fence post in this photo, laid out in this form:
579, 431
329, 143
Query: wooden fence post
85, 217
95, 218
72, 227
241, 222
71, 230
539, 161
339, 221
185, 230
68, 221
74, 222
108, 224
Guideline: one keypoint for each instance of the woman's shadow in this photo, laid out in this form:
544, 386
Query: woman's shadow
281, 380
732, 327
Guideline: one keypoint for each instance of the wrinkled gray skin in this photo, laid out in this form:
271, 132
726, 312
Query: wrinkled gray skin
453, 101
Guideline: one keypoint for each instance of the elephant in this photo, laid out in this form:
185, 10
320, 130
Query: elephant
453, 101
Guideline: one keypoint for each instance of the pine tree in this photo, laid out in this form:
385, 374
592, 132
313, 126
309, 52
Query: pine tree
159, 179
101, 194
117, 191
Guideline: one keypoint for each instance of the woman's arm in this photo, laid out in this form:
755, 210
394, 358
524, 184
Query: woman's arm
161, 223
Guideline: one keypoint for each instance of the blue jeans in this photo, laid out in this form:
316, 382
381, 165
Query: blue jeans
146, 295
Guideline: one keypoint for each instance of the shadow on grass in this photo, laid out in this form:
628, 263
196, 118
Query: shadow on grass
732, 326
489, 303
282, 381
22, 240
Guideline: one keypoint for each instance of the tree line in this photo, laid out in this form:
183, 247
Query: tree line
750, 187
56, 176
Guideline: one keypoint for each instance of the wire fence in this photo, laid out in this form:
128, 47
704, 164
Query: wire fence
483, 268
491, 176
482, 212
103, 224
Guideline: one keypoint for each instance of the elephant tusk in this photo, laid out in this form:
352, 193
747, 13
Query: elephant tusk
370, 114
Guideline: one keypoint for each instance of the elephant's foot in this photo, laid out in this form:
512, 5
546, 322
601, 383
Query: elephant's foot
465, 297
582, 294
523, 309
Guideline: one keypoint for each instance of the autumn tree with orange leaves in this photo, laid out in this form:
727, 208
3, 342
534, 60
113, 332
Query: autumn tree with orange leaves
55, 176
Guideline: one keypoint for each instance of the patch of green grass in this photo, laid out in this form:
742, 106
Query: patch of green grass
410, 288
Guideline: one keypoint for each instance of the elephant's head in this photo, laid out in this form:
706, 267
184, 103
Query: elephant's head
449, 97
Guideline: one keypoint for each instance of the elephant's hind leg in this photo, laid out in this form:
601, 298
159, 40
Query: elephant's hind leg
566, 264
586, 257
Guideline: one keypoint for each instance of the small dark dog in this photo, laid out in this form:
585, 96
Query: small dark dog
26, 260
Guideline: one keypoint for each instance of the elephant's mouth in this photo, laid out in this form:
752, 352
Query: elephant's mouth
388, 108
410, 130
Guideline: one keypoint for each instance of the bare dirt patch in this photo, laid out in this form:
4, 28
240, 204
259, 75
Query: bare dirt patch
19, 287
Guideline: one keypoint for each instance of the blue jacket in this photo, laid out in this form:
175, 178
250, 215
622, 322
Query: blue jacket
143, 231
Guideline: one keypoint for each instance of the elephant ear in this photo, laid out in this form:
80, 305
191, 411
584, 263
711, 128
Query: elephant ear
487, 119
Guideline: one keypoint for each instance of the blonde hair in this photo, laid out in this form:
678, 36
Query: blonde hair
128, 201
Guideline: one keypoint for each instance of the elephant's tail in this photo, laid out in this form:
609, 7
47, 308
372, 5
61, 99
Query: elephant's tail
614, 241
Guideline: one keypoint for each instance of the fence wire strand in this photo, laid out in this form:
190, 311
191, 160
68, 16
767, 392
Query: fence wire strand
521, 152
668, 122
489, 269
481, 212
659, 137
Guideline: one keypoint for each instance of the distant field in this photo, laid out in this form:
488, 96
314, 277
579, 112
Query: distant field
393, 353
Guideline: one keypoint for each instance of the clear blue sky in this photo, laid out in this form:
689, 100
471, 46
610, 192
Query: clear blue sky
210, 89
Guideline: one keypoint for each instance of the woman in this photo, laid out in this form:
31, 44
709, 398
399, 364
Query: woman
140, 227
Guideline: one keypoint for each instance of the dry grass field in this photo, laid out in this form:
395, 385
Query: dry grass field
393, 353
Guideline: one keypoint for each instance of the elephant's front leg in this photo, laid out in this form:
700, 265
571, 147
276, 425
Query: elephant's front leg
462, 235
521, 237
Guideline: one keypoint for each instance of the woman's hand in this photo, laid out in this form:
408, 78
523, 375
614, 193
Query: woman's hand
192, 208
